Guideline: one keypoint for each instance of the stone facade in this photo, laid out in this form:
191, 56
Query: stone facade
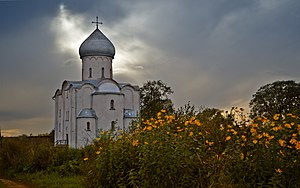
97, 102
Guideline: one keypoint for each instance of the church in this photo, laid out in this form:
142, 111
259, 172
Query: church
98, 102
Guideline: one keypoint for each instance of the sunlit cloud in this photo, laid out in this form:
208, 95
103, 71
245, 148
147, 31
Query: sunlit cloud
69, 30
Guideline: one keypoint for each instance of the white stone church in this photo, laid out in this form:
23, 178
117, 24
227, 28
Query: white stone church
97, 102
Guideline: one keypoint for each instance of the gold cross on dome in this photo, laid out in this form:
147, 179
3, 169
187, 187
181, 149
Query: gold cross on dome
97, 22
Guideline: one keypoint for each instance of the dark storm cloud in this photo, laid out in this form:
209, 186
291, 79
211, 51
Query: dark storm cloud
212, 53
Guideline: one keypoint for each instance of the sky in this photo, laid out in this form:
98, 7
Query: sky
214, 54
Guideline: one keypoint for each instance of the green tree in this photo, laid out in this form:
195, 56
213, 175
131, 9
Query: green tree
155, 97
280, 97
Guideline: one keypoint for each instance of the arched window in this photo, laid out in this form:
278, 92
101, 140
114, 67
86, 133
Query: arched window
88, 126
113, 123
102, 72
112, 104
90, 72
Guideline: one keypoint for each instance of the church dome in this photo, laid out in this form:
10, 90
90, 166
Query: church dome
97, 44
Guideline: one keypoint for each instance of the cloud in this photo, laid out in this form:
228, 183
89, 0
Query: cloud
212, 53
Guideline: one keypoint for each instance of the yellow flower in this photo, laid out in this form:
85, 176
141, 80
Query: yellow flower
97, 139
294, 135
191, 134
276, 116
86, 158
135, 142
149, 128
163, 110
281, 142
244, 138
186, 123
102, 132
242, 156
254, 141
266, 134
252, 130
228, 138
288, 125
297, 145
279, 170
293, 141
259, 136
222, 128
146, 143
198, 123
97, 152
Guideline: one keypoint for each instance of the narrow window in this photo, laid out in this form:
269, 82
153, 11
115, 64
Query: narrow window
59, 114
90, 72
112, 104
59, 127
113, 125
67, 115
88, 126
102, 72
110, 73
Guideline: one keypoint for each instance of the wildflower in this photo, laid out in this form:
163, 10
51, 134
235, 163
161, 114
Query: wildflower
270, 137
86, 158
98, 139
159, 114
168, 132
149, 128
252, 130
244, 138
259, 136
276, 116
135, 142
297, 145
294, 135
281, 153
102, 133
186, 123
281, 142
97, 152
163, 110
191, 134
222, 128
266, 135
254, 141
228, 138
242, 156
293, 141
198, 123
288, 125
279, 170
146, 143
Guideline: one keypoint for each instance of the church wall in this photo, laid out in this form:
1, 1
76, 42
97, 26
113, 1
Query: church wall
96, 67
86, 128
106, 115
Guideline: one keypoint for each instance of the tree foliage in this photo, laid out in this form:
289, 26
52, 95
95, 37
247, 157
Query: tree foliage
280, 97
155, 97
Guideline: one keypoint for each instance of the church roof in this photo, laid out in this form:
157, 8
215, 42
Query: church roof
97, 44
87, 113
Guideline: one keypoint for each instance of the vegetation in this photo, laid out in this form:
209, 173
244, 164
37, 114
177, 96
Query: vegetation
177, 148
280, 97
155, 96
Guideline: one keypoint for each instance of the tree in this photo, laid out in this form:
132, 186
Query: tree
280, 97
155, 97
